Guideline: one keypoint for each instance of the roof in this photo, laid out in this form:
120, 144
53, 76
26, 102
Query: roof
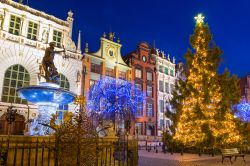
35, 12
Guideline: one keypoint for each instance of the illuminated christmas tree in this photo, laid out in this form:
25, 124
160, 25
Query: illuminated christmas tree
204, 116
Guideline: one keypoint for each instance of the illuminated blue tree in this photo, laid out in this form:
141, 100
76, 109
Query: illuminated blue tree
243, 111
111, 97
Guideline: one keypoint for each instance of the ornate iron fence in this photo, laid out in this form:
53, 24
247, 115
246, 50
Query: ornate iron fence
46, 151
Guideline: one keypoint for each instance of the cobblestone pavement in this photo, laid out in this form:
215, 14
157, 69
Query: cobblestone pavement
160, 159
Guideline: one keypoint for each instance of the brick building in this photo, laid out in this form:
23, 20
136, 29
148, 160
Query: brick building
144, 78
245, 88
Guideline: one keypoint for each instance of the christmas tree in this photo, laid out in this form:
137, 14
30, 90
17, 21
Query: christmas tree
202, 101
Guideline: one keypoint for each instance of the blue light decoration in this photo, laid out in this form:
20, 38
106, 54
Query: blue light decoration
46, 93
110, 97
243, 111
48, 96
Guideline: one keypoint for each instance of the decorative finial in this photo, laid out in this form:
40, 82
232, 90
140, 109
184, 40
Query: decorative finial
157, 51
70, 14
111, 36
86, 47
163, 54
118, 40
199, 19
173, 60
104, 34
168, 57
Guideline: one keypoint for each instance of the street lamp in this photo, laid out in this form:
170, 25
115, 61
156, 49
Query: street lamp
10, 116
84, 72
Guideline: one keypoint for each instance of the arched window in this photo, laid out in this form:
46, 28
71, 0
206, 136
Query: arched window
16, 76
64, 82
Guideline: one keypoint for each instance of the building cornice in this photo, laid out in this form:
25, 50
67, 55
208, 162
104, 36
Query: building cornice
35, 12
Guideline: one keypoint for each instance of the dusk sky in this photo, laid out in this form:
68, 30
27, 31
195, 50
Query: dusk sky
168, 22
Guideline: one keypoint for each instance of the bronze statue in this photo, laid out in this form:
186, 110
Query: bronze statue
51, 74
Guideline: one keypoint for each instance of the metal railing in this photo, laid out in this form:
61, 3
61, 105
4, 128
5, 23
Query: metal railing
46, 151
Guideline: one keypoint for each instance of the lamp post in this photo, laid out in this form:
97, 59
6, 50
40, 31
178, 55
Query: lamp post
84, 72
10, 117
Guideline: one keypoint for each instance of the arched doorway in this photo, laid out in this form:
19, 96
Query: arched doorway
17, 127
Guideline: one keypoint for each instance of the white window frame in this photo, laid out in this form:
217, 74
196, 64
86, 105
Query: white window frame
138, 73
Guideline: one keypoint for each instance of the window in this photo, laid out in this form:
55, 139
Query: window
166, 70
150, 91
139, 111
57, 38
161, 123
150, 76
138, 73
32, 31
161, 69
59, 115
15, 25
95, 68
150, 111
64, 82
122, 75
172, 72
16, 76
138, 86
150, 129
161, 86
168, 123
172, 87
161, 106
167, 87
138, 128
91, 82
110, 72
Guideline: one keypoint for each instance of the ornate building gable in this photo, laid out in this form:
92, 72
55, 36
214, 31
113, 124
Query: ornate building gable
110, 51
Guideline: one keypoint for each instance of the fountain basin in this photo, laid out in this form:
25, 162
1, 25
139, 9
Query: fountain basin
46, 93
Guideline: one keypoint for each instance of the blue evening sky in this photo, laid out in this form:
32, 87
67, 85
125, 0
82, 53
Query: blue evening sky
168, 22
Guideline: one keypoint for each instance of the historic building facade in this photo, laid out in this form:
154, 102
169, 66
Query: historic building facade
106, 62
144, 78
24, 35
166, 78
245, 88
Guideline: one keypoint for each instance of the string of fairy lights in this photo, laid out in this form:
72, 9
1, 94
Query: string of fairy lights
109, 97
198, 118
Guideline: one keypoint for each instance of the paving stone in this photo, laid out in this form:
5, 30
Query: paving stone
160, 159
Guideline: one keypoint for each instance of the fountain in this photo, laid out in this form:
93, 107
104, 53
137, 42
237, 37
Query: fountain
47, 95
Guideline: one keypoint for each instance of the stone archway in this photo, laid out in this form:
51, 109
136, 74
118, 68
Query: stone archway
17, 127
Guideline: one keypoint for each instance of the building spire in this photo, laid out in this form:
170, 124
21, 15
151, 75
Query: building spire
86, 47
111, 36
153, 44
78, 50
70, 20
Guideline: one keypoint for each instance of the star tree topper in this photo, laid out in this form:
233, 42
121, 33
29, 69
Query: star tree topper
199, 19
